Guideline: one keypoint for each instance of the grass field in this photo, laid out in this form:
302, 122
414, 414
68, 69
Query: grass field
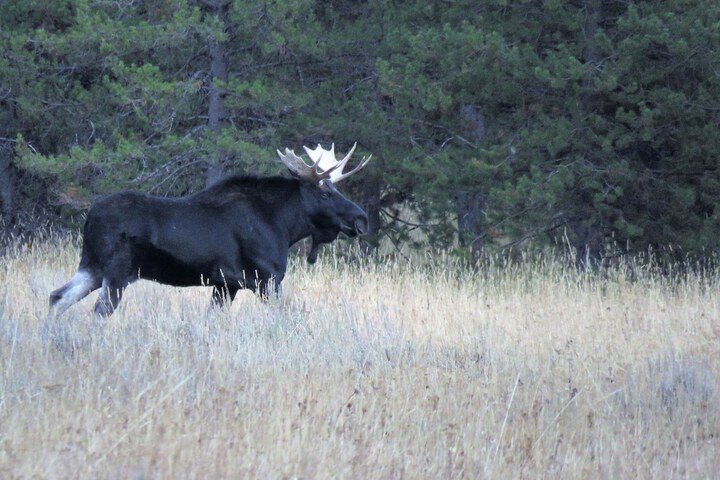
365, 371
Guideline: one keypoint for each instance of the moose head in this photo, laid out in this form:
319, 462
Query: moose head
324, 171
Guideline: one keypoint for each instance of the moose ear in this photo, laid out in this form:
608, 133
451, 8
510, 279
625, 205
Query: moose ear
327, 185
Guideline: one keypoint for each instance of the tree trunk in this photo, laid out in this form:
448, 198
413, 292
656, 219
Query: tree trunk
7, 185
470, 206
587, 238
218, 71
590, 26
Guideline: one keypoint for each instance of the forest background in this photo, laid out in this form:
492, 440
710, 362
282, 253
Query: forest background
492, 124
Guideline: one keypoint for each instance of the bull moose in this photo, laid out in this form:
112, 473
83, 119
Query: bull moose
234, 234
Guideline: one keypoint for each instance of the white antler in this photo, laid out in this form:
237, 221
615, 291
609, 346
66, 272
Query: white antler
324, 164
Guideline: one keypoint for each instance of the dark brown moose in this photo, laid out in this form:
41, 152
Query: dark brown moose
232, 235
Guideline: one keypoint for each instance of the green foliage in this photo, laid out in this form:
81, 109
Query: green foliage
495, 123
595, 126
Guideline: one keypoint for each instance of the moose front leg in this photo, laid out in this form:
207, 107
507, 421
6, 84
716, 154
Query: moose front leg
269, 284
223, 294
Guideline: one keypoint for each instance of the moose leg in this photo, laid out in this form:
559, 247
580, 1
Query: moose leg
264, 285
222, 294
75, 290
109, 297
118, 272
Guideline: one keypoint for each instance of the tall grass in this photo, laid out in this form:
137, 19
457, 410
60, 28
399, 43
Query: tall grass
528, 369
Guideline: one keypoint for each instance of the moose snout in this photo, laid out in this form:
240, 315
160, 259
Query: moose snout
362, 224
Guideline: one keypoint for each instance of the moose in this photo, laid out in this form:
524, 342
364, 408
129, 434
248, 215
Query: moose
231, 235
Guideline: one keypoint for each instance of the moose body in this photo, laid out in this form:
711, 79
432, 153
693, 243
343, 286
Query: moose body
235, 234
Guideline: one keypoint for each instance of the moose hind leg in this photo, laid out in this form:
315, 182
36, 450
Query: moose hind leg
109, 297
75, 290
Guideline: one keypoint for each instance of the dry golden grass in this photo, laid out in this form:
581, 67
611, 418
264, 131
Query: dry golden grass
389, 371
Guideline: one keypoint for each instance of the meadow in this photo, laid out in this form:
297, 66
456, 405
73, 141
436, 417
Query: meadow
392, 369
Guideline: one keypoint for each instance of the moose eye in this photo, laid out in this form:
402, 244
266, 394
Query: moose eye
324, 194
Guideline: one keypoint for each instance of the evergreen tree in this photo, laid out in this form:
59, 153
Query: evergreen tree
588, 120
497, 123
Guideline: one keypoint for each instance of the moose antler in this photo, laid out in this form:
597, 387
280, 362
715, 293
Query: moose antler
325, 166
